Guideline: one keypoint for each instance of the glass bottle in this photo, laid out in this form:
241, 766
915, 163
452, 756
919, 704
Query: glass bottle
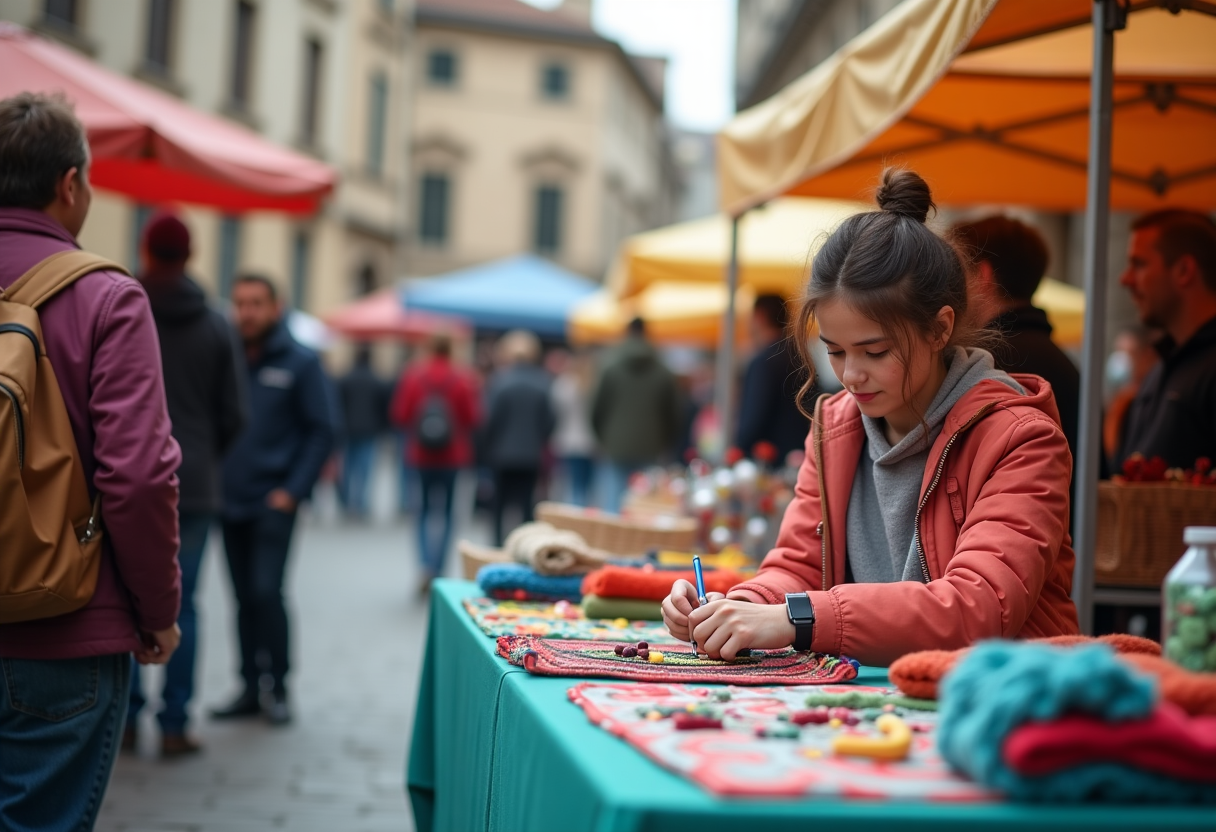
1189, 603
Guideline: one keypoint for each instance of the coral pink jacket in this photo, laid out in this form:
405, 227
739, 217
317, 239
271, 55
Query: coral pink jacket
992, 532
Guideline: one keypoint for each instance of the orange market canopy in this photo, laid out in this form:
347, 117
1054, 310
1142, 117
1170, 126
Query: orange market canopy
153, 147
989, 101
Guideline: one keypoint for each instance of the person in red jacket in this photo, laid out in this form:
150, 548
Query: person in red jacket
437, 405
932, 508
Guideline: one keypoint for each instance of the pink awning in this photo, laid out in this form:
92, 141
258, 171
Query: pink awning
382, 315
154, 147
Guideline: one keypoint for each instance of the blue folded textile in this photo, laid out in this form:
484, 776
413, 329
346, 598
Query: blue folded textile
504, 580
1000, 685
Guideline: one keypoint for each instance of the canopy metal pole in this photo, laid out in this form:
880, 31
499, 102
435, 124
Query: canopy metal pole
725, 396
1108, 17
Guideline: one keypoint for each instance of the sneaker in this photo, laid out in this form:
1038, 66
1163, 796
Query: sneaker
178, 745
277, 712
245, 705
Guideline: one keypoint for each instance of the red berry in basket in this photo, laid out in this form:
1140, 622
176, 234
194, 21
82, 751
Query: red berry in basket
733, 455
1154, 469
765, 451
1132, 466
1203, 465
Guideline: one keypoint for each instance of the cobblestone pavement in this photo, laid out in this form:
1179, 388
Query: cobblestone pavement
358, 635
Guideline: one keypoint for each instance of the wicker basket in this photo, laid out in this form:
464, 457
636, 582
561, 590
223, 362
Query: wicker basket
1140, 525
473, 557
621, 535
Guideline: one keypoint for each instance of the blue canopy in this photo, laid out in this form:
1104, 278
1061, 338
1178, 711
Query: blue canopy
521, 292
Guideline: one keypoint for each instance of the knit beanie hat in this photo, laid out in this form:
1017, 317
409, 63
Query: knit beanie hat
167, 238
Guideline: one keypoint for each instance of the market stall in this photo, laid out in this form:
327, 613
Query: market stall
497, 747
382, 315
1059, 105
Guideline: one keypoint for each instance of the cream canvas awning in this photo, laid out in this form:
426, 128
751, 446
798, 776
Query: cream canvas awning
989, 101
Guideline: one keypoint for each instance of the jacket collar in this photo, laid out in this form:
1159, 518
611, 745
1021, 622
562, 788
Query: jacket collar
30, 221
1204, 337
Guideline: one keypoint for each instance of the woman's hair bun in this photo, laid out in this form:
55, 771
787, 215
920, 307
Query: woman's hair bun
903, 192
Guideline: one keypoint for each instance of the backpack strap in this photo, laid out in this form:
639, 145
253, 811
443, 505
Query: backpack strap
54, 274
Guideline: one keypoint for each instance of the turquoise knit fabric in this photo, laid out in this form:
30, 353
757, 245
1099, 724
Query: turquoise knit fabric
501, 579
1000, 685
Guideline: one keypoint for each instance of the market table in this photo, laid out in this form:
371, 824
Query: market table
495, 748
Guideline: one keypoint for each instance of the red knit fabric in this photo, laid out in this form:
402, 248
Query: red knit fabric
917, 674
1167, 742
645, 584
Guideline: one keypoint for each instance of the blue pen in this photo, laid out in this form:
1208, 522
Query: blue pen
696, 569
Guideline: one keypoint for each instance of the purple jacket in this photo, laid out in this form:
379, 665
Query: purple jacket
101, 340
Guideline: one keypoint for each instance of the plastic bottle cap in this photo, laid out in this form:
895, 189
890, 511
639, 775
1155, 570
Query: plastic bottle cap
1199, 536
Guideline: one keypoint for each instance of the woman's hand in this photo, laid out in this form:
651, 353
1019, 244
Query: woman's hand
722, 628
677, 606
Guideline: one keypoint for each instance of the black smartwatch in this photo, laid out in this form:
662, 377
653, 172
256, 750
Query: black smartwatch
802, 616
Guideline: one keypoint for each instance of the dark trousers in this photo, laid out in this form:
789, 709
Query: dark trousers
257, 558
438, 487
179, 673
513, 487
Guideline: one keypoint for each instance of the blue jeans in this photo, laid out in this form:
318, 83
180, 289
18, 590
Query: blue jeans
614, 480
357, 460
438, 487
579, 471
60, 722
179, 673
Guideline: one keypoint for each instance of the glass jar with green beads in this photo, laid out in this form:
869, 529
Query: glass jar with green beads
1189, 603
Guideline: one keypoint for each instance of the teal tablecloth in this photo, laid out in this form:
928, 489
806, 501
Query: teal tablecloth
497, 749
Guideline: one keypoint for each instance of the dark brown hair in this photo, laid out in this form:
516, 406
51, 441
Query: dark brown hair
40, 140
892, 269
1016, 251
1184, 233
258, 280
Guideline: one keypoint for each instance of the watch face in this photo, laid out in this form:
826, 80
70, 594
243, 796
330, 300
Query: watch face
800, 608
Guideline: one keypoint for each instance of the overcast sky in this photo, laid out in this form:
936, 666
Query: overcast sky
698, 39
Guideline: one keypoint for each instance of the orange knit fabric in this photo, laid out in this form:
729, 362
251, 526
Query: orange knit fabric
917, 674
645, 584
1195, 693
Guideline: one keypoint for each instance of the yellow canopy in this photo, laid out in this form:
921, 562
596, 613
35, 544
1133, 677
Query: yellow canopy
675, 313
988, 100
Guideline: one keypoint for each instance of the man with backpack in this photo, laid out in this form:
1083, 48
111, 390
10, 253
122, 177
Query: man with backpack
270, 469
436, 403
87, 479
205, 386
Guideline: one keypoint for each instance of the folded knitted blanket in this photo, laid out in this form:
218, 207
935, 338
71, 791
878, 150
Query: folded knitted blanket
648, 584
630, 609
1001, 685
917, 674
1167, 741
515, 582
552, 551
1195, 693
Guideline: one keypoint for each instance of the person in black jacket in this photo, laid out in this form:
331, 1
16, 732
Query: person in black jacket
205, 389
365, 399
270, 470
1171, 275
769, 401
1008, 260
519, 422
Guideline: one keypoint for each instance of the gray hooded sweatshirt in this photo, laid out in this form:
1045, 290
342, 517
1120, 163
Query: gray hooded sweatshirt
886, 492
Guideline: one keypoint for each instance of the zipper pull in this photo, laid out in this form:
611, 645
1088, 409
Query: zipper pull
819, 529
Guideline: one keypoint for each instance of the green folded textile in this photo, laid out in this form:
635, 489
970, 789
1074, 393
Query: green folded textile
629, 608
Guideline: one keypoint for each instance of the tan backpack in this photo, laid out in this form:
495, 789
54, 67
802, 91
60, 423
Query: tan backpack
51, 534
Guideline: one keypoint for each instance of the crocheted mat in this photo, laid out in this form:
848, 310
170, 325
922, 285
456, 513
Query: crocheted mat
534, 618
548, 657
733, 761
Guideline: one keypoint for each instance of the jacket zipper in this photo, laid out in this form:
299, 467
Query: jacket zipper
822, 529
19, 423
937, 477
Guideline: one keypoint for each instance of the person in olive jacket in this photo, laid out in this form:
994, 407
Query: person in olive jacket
635, 412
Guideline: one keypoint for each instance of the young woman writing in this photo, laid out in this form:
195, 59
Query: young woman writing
932, 509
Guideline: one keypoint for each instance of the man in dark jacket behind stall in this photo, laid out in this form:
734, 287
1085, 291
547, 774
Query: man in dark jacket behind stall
519, 422
271, 469
65, 680
768, 409
1009, 259
205, 388
635, 412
